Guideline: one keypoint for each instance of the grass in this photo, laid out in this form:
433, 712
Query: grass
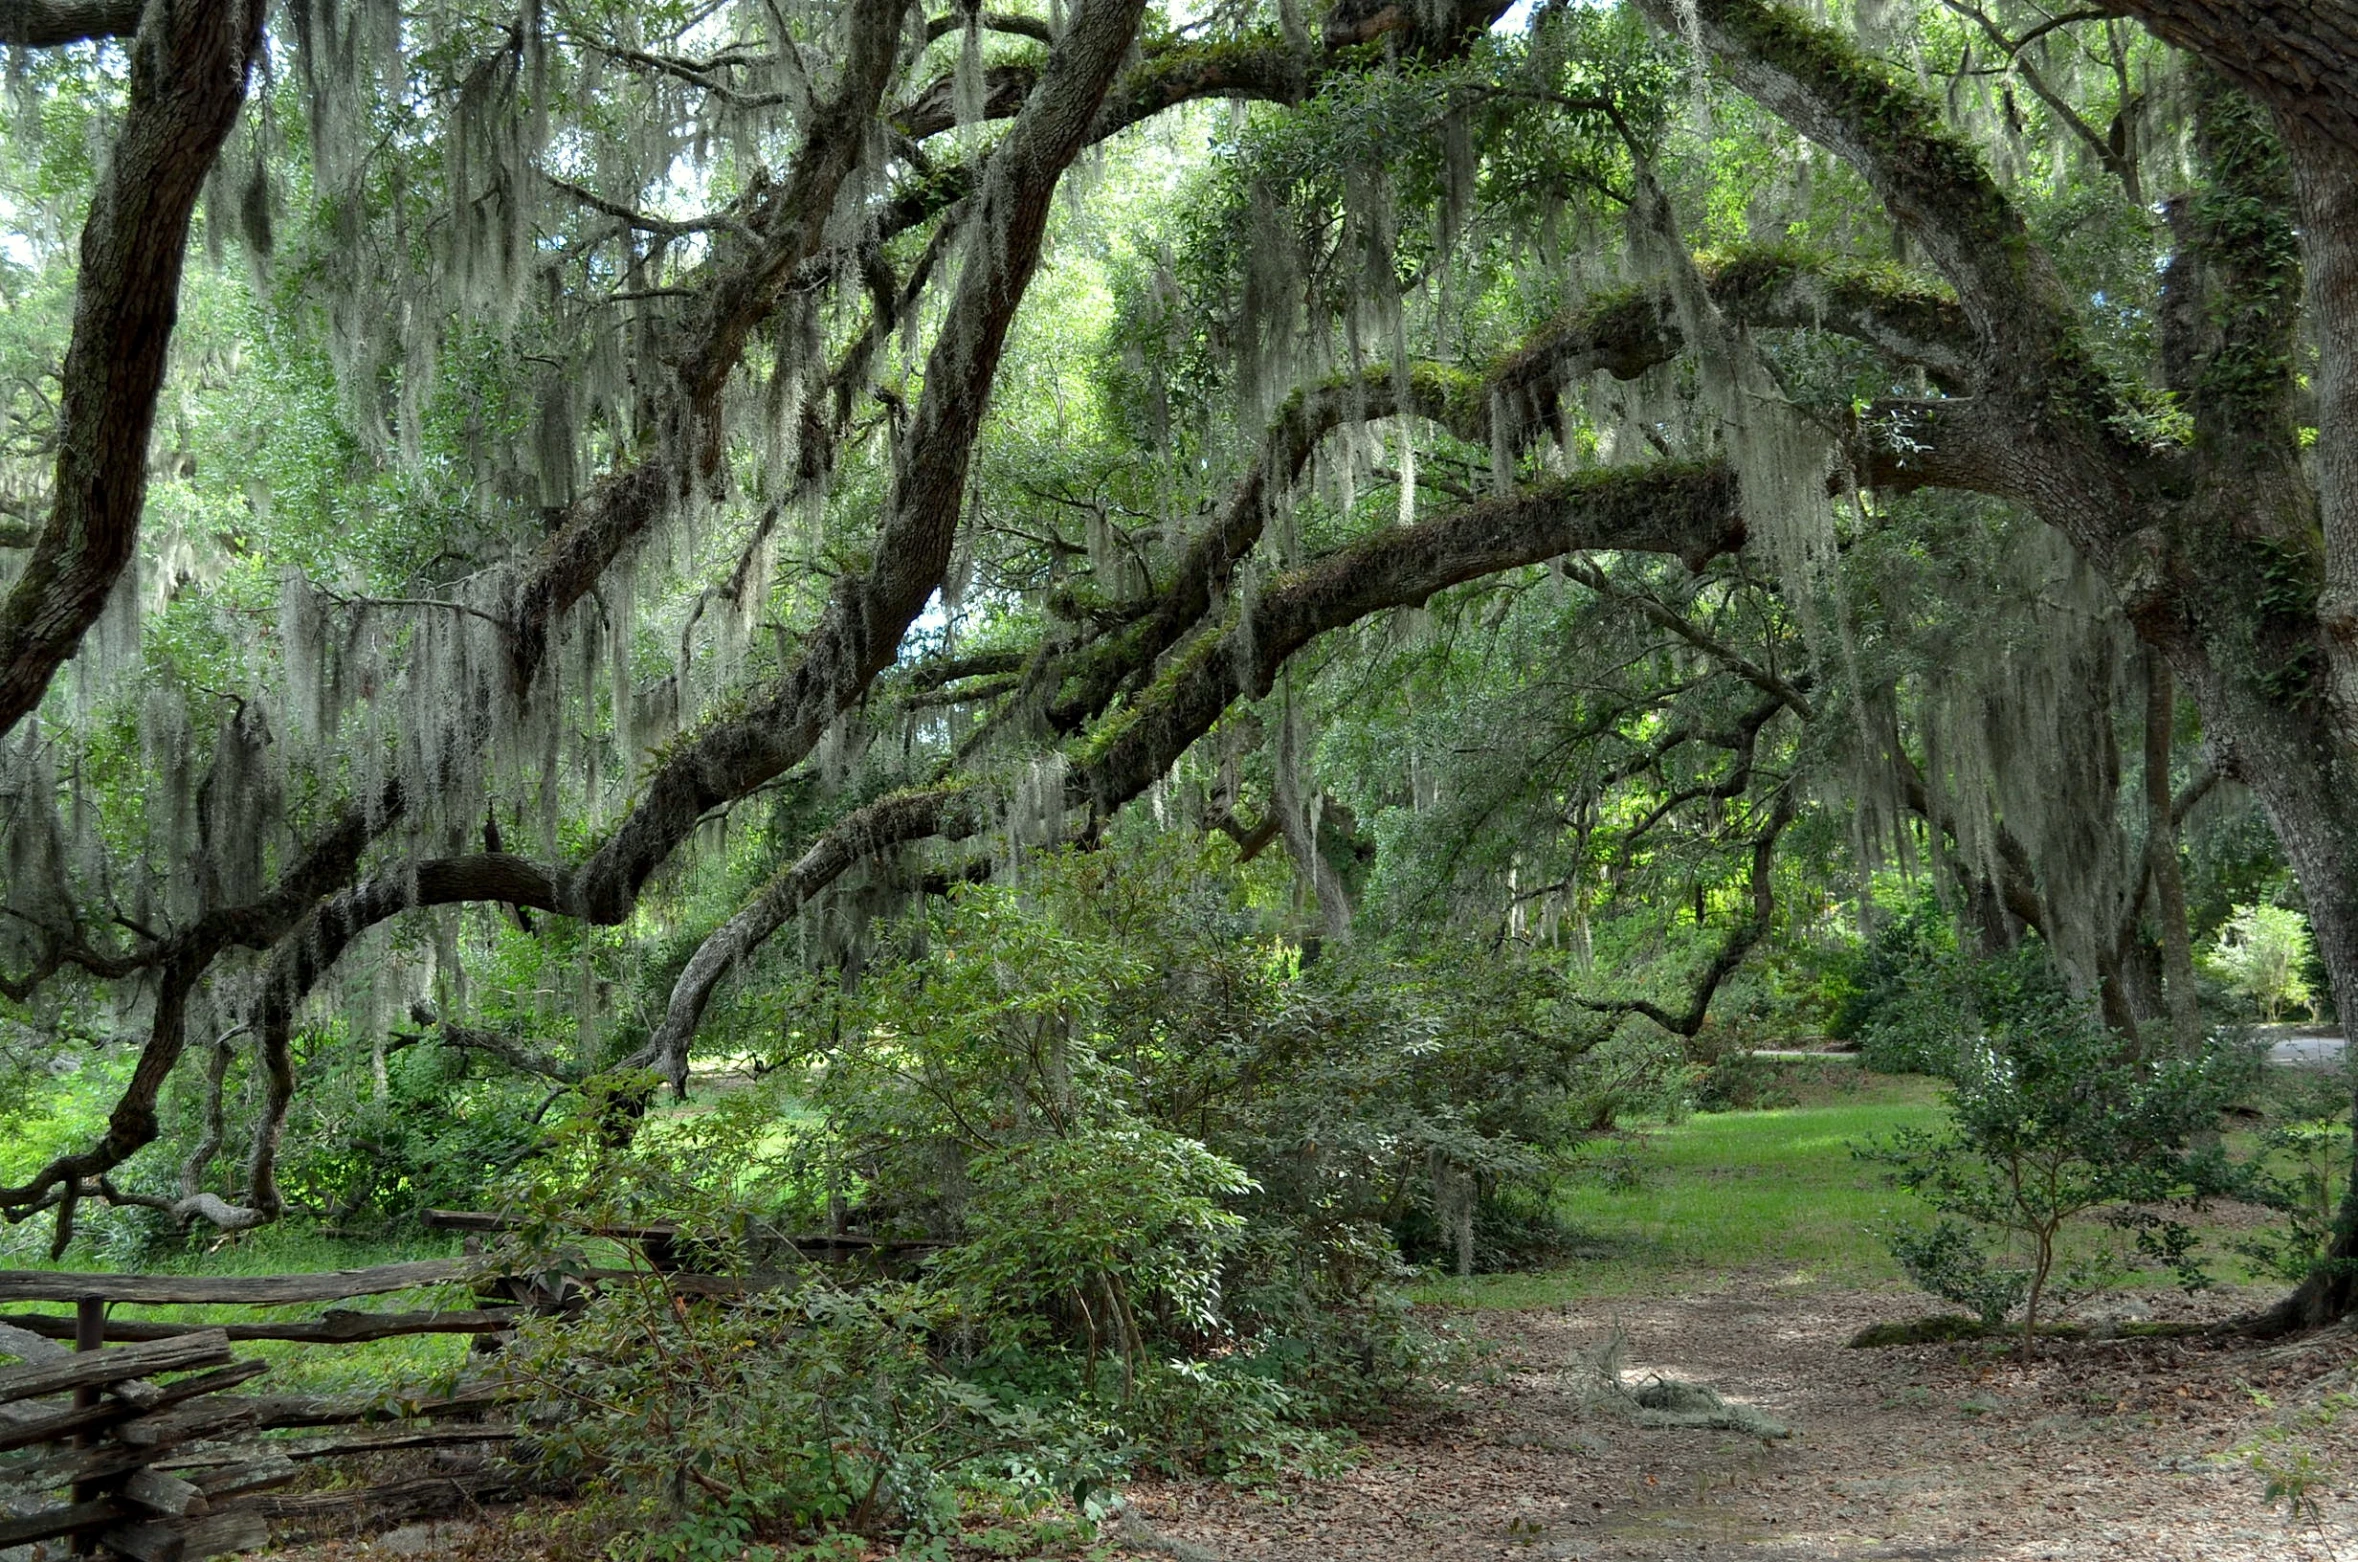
1772, 1197
1677, 1206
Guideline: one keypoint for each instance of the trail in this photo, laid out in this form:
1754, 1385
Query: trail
2097, 1450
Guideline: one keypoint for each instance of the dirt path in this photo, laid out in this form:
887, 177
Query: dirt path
2114, 1450
2118, 1451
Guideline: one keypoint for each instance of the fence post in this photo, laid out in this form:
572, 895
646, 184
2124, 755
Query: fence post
89, 1334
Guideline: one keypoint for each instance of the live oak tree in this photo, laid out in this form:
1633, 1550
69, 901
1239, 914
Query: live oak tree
625, 384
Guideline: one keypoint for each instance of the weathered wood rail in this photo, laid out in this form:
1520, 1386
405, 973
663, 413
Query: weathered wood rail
95, 1450
99, 1448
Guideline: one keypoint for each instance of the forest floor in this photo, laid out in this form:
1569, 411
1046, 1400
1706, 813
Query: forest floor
2143, 1450
1733, 1249
2130, 1450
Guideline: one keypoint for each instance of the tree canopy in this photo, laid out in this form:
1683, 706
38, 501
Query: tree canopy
541, 527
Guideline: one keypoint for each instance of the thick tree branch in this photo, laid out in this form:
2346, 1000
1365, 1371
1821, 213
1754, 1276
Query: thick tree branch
2293, 55
855, 639
790, 224
868, 614
1624, 335
1688, 511
179, 963
188, 78
1734, 948
45, 24
2069, 418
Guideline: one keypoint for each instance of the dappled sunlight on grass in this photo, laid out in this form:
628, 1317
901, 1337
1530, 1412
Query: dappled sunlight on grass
1723, 1194
1754, 1199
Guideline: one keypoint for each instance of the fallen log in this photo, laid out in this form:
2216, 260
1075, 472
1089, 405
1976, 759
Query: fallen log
439, 1437
296, 1410
185, 1540
71, 1519
389, 1502
55, 1424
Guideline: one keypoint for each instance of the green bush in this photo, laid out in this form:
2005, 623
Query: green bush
1159, 1163
2263, 955
1936, 998
2050, 1122
767, 1418
2303, 1170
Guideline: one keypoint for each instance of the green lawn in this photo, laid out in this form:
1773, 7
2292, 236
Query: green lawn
1773, 1193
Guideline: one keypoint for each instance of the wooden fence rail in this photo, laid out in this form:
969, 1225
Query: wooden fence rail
141, 1451
131, 1445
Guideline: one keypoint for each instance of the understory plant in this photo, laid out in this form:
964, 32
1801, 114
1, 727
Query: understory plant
1138, 1172
2302, 1169
2053, 1125
2263, 956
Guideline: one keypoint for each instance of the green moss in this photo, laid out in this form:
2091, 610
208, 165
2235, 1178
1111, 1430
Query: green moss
1091, 750
2251, 254
1896, 124
1456, 398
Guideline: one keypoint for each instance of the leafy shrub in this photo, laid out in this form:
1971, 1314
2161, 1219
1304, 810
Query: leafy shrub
1117, 1222
1939, 999
1159, 1164
1870, 982
2263, 955
767, 1417
2049, 1122
1514, 1228
2303, 1170
1737, 1081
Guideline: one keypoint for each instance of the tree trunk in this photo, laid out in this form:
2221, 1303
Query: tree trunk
2161, 848
2305, 783
188, 80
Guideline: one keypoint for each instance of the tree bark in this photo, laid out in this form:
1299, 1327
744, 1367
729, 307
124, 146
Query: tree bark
45, 24
188, 77
2293, 55
2161, 850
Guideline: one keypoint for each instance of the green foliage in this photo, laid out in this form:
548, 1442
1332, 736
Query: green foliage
1158, 1160
2263, 955
1914, 999
1109, 1220
2304, 1162
773, 1417
2048, 1122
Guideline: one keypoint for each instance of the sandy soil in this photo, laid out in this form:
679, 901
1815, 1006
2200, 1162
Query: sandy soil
2112, 1450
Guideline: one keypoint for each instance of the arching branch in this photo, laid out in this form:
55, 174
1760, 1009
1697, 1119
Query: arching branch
1734, 948
1688, 511
179, 963
788, 226
856, 638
